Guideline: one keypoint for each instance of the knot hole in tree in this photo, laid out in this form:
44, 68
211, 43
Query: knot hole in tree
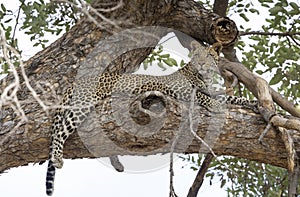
147, 107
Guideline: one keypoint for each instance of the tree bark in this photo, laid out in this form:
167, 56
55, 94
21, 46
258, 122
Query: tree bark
239, 137
55, 68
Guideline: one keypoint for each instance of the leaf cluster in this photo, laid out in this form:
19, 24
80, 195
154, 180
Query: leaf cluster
6, 16
41, 18
162, 59
241, 177
37, 18
275, 53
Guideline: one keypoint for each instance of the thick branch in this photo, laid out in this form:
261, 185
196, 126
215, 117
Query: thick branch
222, 30
220, 7
238, 137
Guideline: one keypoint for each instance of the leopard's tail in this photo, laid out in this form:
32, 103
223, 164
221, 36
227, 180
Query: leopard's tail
50, 178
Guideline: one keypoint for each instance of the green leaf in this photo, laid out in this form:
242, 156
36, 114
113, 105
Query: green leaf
260, 72
168, 62
294, 12
182, 63
159, 51
3, 7
211, 175
152, 58
161, 65
244, 17
274, 11
276, 79
261, 48
294, 5
165, 56
194, 168
254, 10
174, 62
265, 5
223, 182
7, 21
145, 65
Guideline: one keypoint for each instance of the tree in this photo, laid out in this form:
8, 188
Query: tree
26, 113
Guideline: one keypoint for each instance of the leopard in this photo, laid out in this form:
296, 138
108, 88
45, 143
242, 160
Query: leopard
80, 99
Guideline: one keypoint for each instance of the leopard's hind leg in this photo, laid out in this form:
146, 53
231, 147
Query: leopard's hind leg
67, 119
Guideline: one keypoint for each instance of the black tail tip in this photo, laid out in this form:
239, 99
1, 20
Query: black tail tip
50, 179
49, 192
49, 188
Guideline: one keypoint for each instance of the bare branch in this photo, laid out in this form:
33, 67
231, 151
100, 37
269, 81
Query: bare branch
200, 176
172, 192
288, 123
289, 34
17, 21
262, 135
241, 33
9, 94
289, 145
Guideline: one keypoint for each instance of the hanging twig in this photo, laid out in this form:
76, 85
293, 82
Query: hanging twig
172, 191
204, 167
262, 135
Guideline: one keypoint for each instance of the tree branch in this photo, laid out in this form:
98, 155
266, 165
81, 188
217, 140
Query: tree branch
250, 81
239, 138
200, 176
289, 33
220, 7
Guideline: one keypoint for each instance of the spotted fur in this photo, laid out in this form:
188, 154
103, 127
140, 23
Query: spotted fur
79, 100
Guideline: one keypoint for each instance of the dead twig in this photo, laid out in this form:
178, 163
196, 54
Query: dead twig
171, 170
262, 135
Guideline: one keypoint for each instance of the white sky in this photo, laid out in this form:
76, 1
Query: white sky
89, 177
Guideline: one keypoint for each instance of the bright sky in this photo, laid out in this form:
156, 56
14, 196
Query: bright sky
89, 177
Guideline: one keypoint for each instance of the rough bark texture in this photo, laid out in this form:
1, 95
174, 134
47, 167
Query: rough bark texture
220, 7
59, 63
239, 137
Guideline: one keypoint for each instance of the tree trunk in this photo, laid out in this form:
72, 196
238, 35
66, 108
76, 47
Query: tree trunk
55, 68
